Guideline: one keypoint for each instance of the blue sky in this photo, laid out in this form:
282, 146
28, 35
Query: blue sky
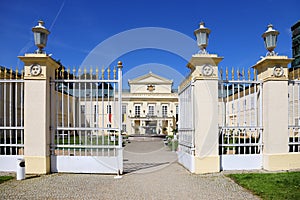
78, 27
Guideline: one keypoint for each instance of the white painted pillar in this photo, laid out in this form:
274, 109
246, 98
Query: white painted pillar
39, 68
273, 71
204, 74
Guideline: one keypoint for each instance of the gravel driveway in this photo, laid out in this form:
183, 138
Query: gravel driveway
150, 172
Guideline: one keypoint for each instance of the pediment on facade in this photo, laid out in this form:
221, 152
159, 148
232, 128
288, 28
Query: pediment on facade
150, 78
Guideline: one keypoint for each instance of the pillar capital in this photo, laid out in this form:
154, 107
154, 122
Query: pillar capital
204, 66
38, 66
273, 68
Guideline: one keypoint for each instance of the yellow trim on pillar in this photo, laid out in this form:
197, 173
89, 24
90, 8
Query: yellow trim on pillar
37, 164
275, 162
208, 164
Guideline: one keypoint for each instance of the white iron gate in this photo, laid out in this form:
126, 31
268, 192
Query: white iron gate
240, 123
11, 118
294, 115
186, 143
86, 122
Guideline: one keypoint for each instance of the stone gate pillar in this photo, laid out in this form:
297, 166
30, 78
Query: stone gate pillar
273, 71
204, 75
38, 69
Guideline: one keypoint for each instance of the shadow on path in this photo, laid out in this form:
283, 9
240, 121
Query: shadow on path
133, 167
147, 156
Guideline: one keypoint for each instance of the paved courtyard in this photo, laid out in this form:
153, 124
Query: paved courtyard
150, 172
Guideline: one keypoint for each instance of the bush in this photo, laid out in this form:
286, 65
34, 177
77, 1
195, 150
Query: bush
172, 144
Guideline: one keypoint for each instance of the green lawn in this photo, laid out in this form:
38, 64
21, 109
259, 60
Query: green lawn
5, 178
89, 140
271, 185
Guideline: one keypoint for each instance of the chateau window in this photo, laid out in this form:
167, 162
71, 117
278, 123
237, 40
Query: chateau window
177, 112
124, 127
296, 121
137, 110
164, 110
108, 109
150, 110
95, 113
124, 108
82, 108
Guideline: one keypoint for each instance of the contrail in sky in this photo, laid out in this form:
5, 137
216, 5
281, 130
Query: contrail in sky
60, 9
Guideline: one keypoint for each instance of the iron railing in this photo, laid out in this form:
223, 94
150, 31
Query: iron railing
11, 112
86, 119
294, 115
240, 114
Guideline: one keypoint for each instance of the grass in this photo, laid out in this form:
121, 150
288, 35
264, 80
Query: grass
5, 178
90, 140
271, 185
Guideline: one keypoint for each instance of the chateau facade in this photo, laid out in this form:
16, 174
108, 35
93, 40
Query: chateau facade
150, 106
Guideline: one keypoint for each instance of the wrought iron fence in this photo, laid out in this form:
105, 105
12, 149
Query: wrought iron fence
240, 113
86, 107
186, 124
11, 112
294, 115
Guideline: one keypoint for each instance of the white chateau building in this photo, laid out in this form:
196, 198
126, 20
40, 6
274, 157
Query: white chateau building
150, 106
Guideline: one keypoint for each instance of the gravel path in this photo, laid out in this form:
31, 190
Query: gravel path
151, 172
